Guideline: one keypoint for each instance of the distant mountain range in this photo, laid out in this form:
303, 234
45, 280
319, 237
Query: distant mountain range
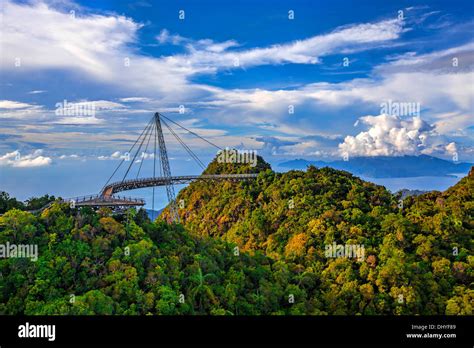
407, 193
389, 167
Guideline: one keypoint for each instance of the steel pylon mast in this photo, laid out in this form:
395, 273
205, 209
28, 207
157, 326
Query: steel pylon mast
153, 132
166, 170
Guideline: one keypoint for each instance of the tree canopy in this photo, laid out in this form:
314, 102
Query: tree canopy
248, 248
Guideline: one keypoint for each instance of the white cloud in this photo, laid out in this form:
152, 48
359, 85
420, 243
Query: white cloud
79, 120
49, 38
453, 60
205, 44
446, 100
166, 38
100, 47
135, 99
117, 155
305, 148
207, 56
73, 156
106, 105
145, 155
84, 112
451, 148
390, 135
14, 105
10, 109
36, 92
216, 47
16, 159
96, 46
95, 104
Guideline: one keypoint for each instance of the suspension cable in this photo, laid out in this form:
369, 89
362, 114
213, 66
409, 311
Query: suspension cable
207, 141
123, 159
145, 136
152, 128
136, 153
186, 147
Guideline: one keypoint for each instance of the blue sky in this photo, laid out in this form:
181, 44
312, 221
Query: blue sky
238, 68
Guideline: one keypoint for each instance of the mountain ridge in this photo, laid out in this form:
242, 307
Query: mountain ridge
388, 167
246, 248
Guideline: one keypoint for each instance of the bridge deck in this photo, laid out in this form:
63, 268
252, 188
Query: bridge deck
98, 201
107, 198
133, 184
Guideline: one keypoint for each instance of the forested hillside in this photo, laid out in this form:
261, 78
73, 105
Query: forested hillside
255, 247
418, 252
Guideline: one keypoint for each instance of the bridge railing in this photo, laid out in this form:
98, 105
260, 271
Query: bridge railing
192, 177
100, 198
123, 198
132, 184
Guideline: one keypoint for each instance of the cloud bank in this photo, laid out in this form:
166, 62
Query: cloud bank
15, 159
389, 135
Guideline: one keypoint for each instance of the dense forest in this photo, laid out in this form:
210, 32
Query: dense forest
248, 248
